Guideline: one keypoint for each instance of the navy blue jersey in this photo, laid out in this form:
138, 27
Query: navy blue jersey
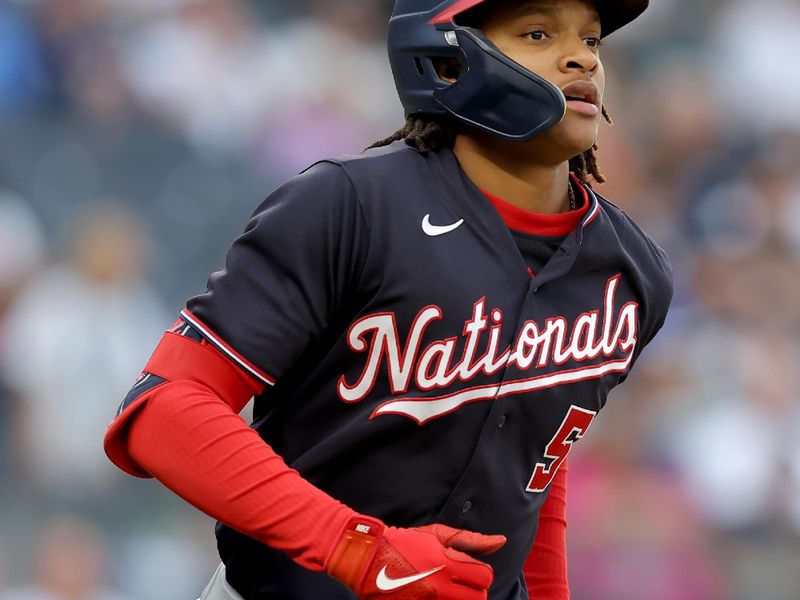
536, 250
416, 371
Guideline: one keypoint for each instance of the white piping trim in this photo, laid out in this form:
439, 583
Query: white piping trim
141, 381
595, 209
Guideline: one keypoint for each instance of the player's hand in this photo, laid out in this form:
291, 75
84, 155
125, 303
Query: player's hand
427, 563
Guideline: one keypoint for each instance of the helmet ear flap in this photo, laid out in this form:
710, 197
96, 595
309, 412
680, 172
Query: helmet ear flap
497, 95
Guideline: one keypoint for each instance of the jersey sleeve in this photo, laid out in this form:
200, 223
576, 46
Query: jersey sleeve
297, 263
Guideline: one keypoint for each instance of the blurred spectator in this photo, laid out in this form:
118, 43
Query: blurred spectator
633, 536
22, 252
23, 78
22, 246
209, 70
335, 106
752, 77
744, 447
230, 85
72, 341
755, 209
174, 560
70, 563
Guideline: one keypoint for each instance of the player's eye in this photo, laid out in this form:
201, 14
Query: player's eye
593, 42
537, 35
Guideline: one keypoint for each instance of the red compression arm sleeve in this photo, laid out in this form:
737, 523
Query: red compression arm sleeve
189, 439
545, 568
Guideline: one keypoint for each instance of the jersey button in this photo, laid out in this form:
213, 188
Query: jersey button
466, 507
501, 422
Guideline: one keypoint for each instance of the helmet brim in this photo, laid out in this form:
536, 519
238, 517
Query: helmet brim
614, 14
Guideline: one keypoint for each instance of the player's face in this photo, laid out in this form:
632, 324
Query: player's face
558, 40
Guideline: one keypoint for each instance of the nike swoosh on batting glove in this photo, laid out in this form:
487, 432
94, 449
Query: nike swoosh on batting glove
433, 562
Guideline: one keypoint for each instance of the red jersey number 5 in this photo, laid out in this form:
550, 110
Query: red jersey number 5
572, 429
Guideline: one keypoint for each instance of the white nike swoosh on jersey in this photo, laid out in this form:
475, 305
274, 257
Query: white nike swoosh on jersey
387, 584
434, 230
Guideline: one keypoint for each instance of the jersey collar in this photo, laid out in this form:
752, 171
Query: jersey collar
467, 201
540, 224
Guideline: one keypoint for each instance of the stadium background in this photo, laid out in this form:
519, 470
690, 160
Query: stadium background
135, 139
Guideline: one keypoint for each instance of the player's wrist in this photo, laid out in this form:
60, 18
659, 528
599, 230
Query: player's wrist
354, 549
432, 561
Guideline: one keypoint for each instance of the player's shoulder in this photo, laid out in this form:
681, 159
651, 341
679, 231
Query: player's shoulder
376, 179
339, 187
647, 254
375, 167
382, 159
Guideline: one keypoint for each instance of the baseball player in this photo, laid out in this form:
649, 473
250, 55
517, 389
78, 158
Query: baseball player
427, 329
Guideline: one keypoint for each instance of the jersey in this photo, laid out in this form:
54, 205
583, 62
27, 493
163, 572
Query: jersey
415, 369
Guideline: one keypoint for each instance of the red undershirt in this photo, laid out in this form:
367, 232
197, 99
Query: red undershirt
541, 224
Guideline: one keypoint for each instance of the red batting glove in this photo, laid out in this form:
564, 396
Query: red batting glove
423, 563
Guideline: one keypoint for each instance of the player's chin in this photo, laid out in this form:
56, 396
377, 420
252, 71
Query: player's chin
579, 132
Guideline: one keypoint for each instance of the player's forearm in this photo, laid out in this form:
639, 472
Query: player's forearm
192, 442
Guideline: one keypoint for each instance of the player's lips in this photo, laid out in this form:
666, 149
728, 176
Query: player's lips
582, 97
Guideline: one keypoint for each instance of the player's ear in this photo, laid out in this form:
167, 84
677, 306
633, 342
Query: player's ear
448, 69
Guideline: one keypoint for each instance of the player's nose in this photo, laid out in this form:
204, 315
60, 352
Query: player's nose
577, 56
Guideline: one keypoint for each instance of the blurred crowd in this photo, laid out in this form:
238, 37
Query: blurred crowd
136, 138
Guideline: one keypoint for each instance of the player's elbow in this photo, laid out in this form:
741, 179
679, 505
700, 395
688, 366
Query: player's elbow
115, 442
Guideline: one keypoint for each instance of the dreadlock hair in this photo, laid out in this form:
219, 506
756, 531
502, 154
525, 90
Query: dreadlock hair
424, 134
427, 134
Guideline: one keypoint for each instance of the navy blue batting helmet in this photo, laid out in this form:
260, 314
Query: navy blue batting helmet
493, 92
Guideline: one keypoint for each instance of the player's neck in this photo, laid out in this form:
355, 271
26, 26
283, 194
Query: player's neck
514, 177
